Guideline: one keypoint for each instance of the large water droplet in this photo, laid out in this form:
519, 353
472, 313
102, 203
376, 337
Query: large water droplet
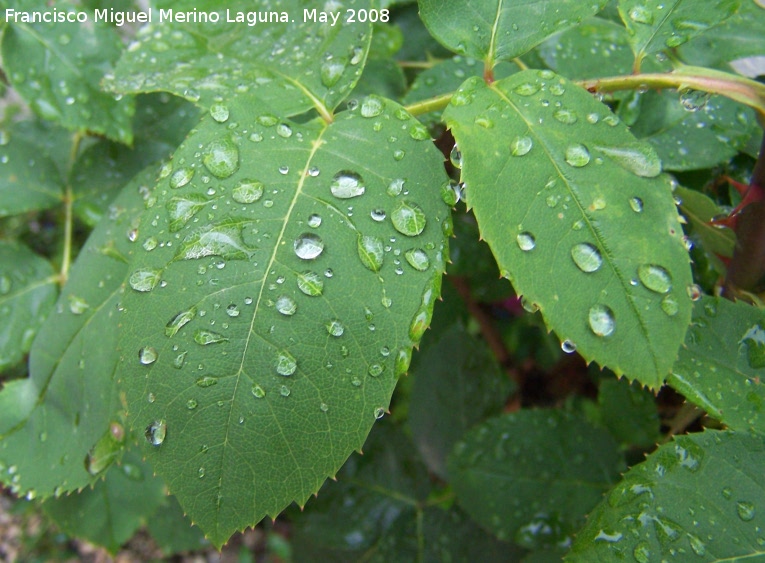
247, 191
754, 339
221, 158
181, 177
286, 305
182, 209
346, 184
565, 116
219, 113
601, 320
526, 241
526, 89
147, 355
450, 193
178, 321
310, 283
417, 259
745, 510
335, 328
655, 278
639, 158
641, 14
308, 246
586, 257
156, 432
144, 279
285, 363
371, 251
408, 219
372, 106
331, 71
395, 187
577, 155
521, 146
419, 132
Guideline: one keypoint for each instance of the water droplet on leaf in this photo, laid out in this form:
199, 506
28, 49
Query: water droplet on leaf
144, 279
219, 113
655, 278
308, 246
601, 320
285, 363
156, 432
221, 158
586, 257
286, 305
526, 241
147, 355
247, 191
577, 155
371, 251
408, 219
346, 184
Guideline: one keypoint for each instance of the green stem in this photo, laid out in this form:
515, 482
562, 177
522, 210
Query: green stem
66, 259
737, 88
431, 104
417, 64
520, 64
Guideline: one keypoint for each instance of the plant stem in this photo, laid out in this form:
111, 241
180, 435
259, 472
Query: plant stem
431, 104
66, 259
520, 64
417, 64
737, 88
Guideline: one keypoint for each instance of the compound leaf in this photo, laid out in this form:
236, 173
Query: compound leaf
27, 294
50, 422
29, 180
57, 68
495, 30
578, 218
109, 512
531, 476
698, 498
657, 25
721, 365
294, 64
288, 271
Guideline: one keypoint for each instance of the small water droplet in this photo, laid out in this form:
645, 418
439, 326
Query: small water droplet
745, 510
178, 321
526, 89
586, 257
577, 155
308, 246
286, 305
331, 71
408, 219
417, 259
521, 146
451, 193
372, 106
206, 337
285, 363
379, 413
378, 215
258, 391
150, 244
314, 221
324, 407
670, 305
640, 14
395, 187
221, 158
206, 381
568, 347
201, 472
77, 305
219, 113
526, 241
655, 278
247, 191
375, 370
601, 320
565, 116
694, 100
284, 130
335, 328
191, 404
232, 310
642, 552
636, 204
284, 391
694, 292
147, 355
156, 432
455, 156
346, 184
419, 132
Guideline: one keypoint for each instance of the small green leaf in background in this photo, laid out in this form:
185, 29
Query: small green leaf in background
57, 68
457, 383
27, 294
172, 529
50, 422
379, 510
691, 130
530, 477
722, 364
699, 210
495, 30
577, 217
628, 412
29, 180
658, 25
697, 498
283, 273
109, 512
293, 66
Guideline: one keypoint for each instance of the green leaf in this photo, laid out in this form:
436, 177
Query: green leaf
698, 132
29, 180
57, 68
457, 383
721, 364
50, 422
172, 530
531, 476
698, 498
292, 268
494, 30
628, 412
109, 512
293, 65
376, 512
699, 210
656, 25
27, 294
742, 35
574, 212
